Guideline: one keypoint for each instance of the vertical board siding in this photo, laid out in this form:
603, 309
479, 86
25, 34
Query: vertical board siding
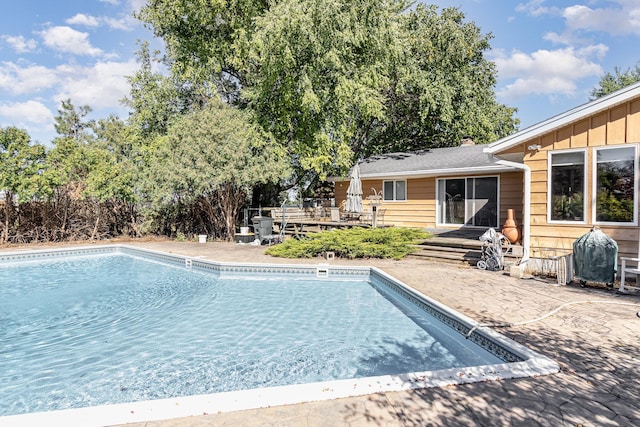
618, 125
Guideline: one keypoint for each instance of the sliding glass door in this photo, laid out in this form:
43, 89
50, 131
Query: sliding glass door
468, 201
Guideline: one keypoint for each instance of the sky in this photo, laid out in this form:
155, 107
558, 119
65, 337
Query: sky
549, 54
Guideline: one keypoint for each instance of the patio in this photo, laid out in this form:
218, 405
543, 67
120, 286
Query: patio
596, 345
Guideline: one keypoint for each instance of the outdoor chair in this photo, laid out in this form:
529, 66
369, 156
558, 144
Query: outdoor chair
366, 216
273, 239
625, 269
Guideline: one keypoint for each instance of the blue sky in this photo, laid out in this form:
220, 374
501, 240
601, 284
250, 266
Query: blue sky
549, 54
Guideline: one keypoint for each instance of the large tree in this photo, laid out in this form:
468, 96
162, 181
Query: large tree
213, 157
441, 87
610, 82
336, 80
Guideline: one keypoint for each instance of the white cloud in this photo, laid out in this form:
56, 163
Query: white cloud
113, 2
547, 72
31, 115
136, 5
82, 19
124, 23
66, 39
20, 44
18, 80
22, 113
621, 17
101, 86
616, 21
534, 8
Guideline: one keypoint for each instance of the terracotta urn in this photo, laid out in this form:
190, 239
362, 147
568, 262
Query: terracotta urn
510, 228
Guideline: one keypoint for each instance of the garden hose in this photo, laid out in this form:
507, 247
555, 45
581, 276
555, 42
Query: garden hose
551, 313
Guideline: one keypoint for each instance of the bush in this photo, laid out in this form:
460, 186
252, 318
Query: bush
353, 243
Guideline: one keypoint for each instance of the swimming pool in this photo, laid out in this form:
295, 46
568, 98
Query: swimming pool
163, 328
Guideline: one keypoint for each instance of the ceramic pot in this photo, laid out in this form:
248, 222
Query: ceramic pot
510, 228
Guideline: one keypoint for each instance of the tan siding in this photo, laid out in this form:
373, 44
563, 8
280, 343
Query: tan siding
539, 176
563, 138
539, 197
618, 125
547, 141
598, 131
538, 187
539, 163
580, 136
616, 129
633, 122
511, 196
419, 210
563, 236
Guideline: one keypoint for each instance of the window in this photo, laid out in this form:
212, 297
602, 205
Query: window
567, 186
615, 184
394, 190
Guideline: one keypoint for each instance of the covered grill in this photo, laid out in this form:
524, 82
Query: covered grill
595, 258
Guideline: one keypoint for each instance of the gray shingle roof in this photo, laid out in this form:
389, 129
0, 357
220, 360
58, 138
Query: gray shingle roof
429, 162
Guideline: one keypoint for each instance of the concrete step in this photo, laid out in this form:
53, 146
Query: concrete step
453, 257
460, 252
453, 242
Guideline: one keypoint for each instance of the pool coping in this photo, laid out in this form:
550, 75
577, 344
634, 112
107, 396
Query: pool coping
523, 361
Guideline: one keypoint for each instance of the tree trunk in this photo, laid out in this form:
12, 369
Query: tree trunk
8, 199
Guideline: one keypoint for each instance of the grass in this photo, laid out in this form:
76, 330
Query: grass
391, 242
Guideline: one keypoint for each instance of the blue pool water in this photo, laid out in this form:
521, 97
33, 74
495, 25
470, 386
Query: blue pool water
95, 330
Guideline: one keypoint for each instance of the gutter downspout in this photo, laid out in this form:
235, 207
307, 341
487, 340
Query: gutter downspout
526, 210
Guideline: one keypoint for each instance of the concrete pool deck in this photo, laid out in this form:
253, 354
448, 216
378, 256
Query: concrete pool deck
596, 344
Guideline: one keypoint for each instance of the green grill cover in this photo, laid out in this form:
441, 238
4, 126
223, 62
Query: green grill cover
595, 257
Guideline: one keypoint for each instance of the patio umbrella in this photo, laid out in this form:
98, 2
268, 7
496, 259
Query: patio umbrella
354, 192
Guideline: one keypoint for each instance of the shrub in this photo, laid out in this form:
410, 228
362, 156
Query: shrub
390, 242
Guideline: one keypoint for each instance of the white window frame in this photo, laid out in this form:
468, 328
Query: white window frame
394, 199
550, 186
594, 189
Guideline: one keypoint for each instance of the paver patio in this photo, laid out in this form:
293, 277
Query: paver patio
596, 344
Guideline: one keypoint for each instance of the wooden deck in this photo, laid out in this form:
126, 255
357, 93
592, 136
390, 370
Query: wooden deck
301, 227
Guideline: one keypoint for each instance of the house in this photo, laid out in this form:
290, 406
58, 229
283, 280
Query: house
440, 188
562, 177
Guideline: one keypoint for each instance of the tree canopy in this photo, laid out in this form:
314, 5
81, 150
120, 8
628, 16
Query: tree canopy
213, 156
337, 80
610, 82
